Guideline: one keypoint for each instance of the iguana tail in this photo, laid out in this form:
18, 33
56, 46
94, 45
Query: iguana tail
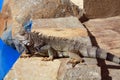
95, 52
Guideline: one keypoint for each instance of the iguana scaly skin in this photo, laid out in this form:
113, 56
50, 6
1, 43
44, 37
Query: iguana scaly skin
60, 47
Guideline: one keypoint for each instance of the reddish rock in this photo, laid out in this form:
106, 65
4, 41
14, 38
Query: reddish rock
107, 33
101, 8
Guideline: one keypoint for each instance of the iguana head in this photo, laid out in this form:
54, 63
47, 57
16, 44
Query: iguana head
34, 40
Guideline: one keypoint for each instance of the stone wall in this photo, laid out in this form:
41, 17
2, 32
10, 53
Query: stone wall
101, 8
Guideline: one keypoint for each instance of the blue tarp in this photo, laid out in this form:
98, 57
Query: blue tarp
1, 4
8, 56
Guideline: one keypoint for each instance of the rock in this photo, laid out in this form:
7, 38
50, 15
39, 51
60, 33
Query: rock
101, 8
5, 16
6, 11
44, 8
21, 10
83, 73
67, 22
92, 69
68, 27
2, 24
18, 11
107, 33
33, 69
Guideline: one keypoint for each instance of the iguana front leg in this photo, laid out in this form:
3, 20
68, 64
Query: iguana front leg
50, 54
47, 51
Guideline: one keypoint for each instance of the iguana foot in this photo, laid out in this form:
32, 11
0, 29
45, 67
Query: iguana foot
74, 62
47, 59
26, 56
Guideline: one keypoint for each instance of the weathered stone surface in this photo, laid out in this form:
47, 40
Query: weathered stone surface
44, 8
2, 23
5, 16
80, 72
83, 73
101, 8
68, 27
93, 69
6, 10
106, 32
21, 10
68, 22
34, 69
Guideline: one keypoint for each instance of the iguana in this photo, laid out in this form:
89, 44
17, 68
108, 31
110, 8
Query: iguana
51, 47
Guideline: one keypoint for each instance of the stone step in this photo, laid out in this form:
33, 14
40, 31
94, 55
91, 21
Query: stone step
68, 27
33, 69
106, 32
93, 69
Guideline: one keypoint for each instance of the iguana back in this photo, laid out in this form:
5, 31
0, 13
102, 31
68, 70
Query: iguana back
72, 48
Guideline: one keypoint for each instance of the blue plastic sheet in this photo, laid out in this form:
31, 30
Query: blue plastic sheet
28, 26
8, 56
1, 4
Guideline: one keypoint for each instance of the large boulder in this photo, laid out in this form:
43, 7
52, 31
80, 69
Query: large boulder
44, 8
93, 69
101, 8
33, 68
21, 11
69, 27
5, 16
106, 32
